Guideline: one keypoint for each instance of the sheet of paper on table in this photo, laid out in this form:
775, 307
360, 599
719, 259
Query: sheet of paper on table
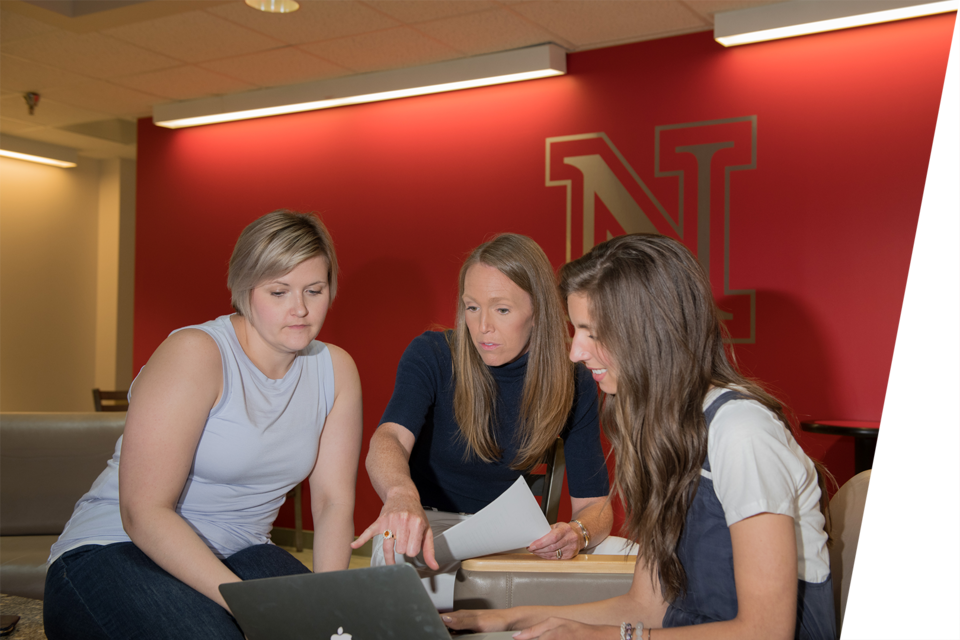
510, 522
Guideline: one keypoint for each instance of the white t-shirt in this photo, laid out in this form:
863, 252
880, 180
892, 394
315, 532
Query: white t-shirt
757, 467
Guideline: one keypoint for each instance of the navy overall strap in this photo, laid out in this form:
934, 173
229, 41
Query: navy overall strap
706, 553
705, 550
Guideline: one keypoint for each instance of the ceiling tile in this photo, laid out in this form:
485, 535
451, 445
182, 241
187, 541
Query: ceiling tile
184, 83
194, 37
14, 26
21, 75
388, 49
90, 54
486, 32
708, 8
119, 63
48, 113
107, 97
594, 23
16, 127
315, 20
288, 65
414, 11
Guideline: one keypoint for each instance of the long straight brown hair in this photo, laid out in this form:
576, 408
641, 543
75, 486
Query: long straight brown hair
548, 386
652, 309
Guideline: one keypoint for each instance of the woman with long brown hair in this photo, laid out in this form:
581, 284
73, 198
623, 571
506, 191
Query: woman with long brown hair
724, 504
475, 408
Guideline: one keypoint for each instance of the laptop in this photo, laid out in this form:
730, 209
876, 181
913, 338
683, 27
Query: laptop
377, 603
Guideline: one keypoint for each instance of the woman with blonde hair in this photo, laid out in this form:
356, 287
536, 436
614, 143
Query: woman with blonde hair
225, 418
476, 407
728, 511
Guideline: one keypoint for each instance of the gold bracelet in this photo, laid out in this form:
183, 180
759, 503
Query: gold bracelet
586, 535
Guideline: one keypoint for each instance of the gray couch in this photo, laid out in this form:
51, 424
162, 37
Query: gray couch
47, 462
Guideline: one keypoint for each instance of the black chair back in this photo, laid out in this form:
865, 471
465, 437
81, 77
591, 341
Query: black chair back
548, 485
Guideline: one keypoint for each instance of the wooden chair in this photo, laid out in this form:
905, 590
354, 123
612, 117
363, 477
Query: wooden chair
846, 512
296, 494
548, 485
116, 400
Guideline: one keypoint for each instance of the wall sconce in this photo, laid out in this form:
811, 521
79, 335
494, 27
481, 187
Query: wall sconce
803, 17
34, 151
494, 68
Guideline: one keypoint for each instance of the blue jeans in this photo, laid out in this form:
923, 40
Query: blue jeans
116, 592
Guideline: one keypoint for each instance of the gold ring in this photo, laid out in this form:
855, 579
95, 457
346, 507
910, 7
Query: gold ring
387, 534
559, 554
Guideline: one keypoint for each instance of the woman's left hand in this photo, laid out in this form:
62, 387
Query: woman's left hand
562, 537
560, 628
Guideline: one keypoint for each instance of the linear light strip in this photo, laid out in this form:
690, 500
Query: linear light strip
341, 102
805, 17
498, 68
36, 151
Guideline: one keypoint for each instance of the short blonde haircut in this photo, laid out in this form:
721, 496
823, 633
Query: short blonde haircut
274, 245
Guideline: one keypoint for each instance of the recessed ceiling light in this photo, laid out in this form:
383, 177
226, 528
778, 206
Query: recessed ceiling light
274, 6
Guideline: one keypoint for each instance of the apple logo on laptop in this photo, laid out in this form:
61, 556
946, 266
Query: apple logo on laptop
341, 635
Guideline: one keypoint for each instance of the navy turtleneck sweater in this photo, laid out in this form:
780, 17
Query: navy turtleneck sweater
446, 477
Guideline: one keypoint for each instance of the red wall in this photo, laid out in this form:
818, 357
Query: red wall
821, 225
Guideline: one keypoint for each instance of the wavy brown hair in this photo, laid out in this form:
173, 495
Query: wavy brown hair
652, 310
548, 386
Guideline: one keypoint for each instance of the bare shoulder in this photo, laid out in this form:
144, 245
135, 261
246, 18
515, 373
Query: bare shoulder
177, 388
344, 368
188, 341
188, 358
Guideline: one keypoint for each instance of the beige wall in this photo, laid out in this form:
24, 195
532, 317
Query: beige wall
66, 282
115, 251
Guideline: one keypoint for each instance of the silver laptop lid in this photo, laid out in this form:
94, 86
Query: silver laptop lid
378, 603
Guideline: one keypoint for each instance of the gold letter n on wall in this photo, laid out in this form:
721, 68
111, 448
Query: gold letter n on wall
692, 163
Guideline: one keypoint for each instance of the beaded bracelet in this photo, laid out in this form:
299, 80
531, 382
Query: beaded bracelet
627, 629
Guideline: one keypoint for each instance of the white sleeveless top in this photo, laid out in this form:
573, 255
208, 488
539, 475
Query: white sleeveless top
259, 441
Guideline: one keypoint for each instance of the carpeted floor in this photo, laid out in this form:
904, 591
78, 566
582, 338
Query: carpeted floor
30, 611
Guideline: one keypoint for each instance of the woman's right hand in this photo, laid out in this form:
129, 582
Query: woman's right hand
404, 517
389, 469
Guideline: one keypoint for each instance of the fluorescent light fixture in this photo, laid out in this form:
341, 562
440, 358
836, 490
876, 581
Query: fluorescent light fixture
496, 68
803, 17
34, 151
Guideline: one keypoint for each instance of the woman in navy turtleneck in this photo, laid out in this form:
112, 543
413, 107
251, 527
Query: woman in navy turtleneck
475, 407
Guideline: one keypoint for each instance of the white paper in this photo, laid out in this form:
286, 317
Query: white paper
512, 521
